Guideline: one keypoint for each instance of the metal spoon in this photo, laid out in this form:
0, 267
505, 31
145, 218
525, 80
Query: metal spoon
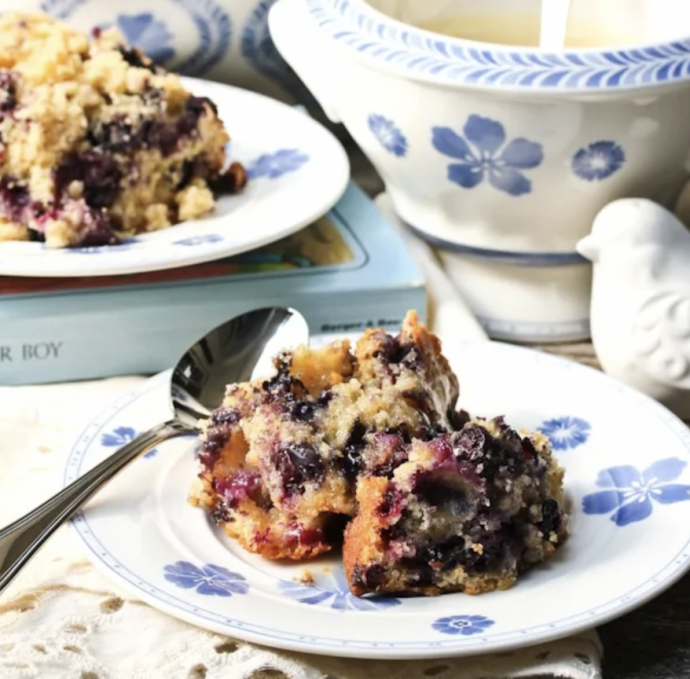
236, 351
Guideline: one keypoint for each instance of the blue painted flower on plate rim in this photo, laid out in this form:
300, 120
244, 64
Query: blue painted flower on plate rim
334, 594
566, 432
464, 625
121, 436
207, 580
629, 495
275, 165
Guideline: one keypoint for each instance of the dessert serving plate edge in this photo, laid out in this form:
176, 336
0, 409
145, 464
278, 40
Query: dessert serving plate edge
297, 172
626, 460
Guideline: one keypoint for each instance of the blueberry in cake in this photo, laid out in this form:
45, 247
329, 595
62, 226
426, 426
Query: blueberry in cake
469, 511
364, 448
280, 458
96, 143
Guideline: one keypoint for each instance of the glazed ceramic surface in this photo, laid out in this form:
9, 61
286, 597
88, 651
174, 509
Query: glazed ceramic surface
641, 299
517, 303
514, 302
489, 148
224, 40
297, 171
629, 487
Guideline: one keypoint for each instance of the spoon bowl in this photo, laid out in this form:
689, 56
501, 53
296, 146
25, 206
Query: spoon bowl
237, 350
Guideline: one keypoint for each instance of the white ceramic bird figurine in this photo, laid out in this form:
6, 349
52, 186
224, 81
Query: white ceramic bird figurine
640, 310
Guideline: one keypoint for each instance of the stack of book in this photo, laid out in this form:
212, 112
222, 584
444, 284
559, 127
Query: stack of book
347, 271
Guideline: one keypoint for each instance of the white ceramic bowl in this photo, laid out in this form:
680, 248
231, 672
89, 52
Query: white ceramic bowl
493, 147
223, 40
545, 304
494, 152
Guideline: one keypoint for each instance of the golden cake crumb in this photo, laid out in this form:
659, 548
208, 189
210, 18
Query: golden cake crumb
365, 447
98, 143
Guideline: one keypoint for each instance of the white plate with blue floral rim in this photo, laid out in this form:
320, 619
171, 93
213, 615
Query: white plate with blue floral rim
297, 171
627, 475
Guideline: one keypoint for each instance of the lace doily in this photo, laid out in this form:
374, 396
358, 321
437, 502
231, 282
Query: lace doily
62, 619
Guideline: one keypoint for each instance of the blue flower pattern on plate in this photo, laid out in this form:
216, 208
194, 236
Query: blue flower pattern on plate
387, 134
122, 436
484, 154
208, 579
566, 432
335, 595
598, 161
629, 493
148, 33
465, 625
99, 249
274, 165
199, 240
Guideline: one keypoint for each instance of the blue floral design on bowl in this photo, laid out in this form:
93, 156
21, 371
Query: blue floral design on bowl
148, 33
199, 240
484, 154
334, 593
598, 161
465, 625
566, 432
388, 134
274, 165
208, 580
121, 436
630, 494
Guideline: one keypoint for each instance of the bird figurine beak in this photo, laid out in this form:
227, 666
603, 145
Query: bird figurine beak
588, 248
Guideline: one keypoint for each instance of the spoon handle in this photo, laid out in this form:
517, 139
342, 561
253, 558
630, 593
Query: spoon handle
20, 540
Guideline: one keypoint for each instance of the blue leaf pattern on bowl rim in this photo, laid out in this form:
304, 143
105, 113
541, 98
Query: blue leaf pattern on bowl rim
402, 47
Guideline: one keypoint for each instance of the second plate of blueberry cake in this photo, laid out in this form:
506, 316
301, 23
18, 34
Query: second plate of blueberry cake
380, 497
111, 165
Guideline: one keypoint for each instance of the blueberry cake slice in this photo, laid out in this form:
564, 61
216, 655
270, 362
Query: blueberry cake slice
96, 143
281, 457
468, 510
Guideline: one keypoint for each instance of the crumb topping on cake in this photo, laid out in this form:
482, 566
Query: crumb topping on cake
365, 446
97, 143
